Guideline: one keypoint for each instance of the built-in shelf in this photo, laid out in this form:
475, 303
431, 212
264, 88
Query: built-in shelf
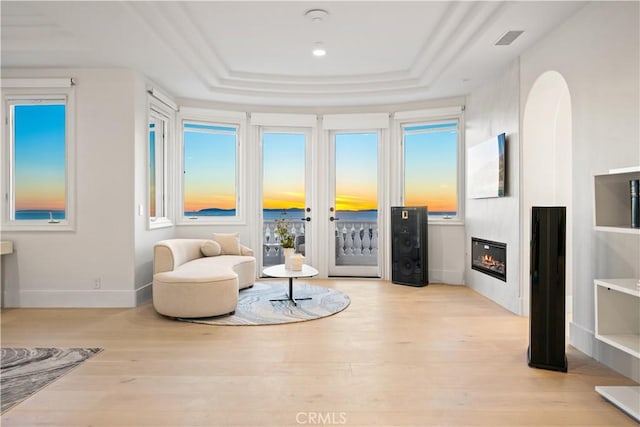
626, 230
626, 398
612, 209
617, 303
627, 286
628, 343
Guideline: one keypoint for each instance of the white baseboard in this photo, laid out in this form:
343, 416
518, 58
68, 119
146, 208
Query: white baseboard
95, 298
451, 277
524, 306
618, 360
143, 294
582, 339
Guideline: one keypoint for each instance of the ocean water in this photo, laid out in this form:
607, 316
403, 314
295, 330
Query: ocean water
39, 214
268, 214
290, 214
298, 214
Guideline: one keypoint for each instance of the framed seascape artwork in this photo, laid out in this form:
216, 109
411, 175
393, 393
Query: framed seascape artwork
486, 168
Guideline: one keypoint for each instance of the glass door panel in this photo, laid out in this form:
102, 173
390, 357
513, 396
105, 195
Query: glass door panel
354, 205
283, 192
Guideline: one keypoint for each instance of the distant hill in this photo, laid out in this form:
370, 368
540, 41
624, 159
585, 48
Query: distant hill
290, 214
211, 210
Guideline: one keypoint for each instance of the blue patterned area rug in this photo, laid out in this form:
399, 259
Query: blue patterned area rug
24, 371
255, 308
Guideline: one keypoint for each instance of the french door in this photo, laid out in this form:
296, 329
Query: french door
353, 204
285, 192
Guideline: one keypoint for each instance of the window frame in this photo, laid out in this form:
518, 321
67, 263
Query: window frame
212, 118
160, 111
15, 95
434, 120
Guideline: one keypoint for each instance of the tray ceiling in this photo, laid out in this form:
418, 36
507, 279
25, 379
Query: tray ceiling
260, 52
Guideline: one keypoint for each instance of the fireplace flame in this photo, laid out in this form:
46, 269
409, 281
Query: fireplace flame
490, 261
489, 258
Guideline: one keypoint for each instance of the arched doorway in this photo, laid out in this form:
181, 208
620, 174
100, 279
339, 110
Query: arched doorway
546, 177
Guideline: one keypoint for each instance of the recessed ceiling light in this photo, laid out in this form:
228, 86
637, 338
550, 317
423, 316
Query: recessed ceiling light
318, 49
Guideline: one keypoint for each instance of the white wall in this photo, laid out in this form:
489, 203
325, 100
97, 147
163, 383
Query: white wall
58, 269
597, 53
545, 177
112, 241
490, 110
447, 254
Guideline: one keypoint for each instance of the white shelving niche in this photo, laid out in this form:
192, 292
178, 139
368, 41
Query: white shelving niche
612, 198
617, 301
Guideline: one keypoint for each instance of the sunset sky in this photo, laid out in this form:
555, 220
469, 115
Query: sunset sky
152, 170
210, 167
39, 157
431, 166
356, 171
283, 172
430, 169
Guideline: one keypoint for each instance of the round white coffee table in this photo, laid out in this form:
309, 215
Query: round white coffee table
280, 271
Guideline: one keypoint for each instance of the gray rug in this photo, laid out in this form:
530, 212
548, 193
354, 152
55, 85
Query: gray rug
24, 371
254, 307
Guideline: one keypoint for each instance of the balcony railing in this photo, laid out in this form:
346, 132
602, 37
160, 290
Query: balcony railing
272, 252
356, 242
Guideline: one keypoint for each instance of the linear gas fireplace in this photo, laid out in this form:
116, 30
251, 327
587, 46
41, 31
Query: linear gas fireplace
489, 258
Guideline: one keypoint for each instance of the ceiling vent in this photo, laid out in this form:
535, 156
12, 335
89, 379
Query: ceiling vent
507, 38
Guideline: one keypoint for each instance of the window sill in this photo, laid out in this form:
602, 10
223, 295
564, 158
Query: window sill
446, 222
38, 226
211, 221
160, 223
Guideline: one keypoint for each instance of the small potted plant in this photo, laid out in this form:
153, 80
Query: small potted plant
286, 240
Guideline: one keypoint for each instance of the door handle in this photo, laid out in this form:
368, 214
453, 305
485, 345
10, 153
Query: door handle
306, 219
333, 219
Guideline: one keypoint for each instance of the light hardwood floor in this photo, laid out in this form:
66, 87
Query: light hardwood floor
397, 356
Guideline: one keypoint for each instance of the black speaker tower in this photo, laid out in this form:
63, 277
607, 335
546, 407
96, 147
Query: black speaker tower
547, 279
409, 252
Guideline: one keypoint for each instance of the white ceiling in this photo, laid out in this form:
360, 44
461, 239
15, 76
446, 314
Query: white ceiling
260, 52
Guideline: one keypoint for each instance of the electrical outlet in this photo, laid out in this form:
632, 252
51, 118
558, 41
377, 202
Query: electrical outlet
97, 283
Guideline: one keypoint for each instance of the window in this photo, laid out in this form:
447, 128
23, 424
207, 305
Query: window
157, 128
37, 152
431, 167
160, 120
210, 171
